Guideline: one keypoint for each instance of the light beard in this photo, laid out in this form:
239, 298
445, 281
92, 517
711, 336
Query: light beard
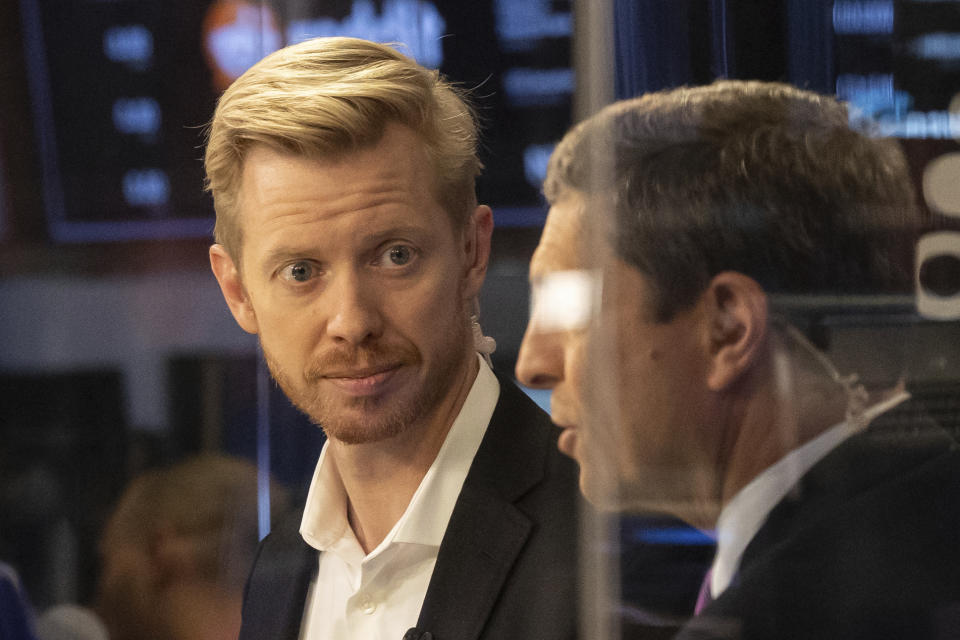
380, 422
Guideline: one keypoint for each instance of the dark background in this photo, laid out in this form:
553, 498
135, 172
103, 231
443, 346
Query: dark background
71, 440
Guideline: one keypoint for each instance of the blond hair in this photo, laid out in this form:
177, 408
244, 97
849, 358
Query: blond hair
327, 97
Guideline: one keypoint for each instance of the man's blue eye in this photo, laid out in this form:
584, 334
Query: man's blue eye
399, 254
298, 272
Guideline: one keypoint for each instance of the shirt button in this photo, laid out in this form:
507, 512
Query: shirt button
367, 605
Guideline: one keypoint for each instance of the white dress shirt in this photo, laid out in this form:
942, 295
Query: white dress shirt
379, 595
743, 516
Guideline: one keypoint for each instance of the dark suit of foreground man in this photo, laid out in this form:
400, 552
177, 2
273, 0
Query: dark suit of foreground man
350, 241
714, 211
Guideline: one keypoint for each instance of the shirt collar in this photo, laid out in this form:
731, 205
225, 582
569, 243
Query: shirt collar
425, 520
743, 516
324, 524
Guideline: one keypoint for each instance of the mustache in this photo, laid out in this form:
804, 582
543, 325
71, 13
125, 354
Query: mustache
367, 358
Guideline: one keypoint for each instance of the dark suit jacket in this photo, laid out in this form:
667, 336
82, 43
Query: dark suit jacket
866, 546
507, 564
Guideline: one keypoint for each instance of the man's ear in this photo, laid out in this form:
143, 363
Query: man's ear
476, 245
232, 287
736, 316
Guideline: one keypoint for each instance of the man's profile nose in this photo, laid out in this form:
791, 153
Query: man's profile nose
540, 361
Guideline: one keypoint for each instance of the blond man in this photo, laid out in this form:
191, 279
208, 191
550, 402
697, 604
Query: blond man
350, 241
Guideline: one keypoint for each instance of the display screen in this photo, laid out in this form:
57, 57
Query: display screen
121, 91
899, 63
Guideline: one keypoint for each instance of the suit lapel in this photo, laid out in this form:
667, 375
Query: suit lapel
786, 555
277, 590
894, 445
479, 549
486, 531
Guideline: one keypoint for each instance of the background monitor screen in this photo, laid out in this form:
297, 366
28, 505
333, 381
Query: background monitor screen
121, 90
899, 63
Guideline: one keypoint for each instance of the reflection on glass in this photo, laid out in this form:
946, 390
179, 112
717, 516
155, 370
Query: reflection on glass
119, 354
738, 227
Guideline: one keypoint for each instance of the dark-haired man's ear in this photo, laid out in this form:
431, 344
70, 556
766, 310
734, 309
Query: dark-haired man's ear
736, 315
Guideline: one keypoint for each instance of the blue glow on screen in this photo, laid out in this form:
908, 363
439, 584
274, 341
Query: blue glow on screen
521, 24
934, 125
670, 535
937, 46
415, 23
535, 159
539, 87
137, 115
873, 96
128, 44
876, 97
141, 117
879, 86
863, 18
146, 187
239, 45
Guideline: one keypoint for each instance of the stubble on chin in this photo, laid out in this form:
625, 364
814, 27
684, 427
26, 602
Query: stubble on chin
361, 420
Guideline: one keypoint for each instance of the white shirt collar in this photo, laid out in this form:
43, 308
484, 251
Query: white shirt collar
324, 525
743, 516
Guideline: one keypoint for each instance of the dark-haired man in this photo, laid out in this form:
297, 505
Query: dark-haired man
686, 222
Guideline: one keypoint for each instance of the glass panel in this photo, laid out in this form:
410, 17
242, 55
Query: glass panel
759, 275
729, 360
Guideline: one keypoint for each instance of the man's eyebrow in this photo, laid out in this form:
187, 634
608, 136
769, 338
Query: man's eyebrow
286, 253
282, 254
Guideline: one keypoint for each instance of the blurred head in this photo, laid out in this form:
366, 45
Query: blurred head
195, 524
707, 202
326, 97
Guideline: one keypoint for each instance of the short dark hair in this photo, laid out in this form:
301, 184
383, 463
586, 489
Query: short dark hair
757, 177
